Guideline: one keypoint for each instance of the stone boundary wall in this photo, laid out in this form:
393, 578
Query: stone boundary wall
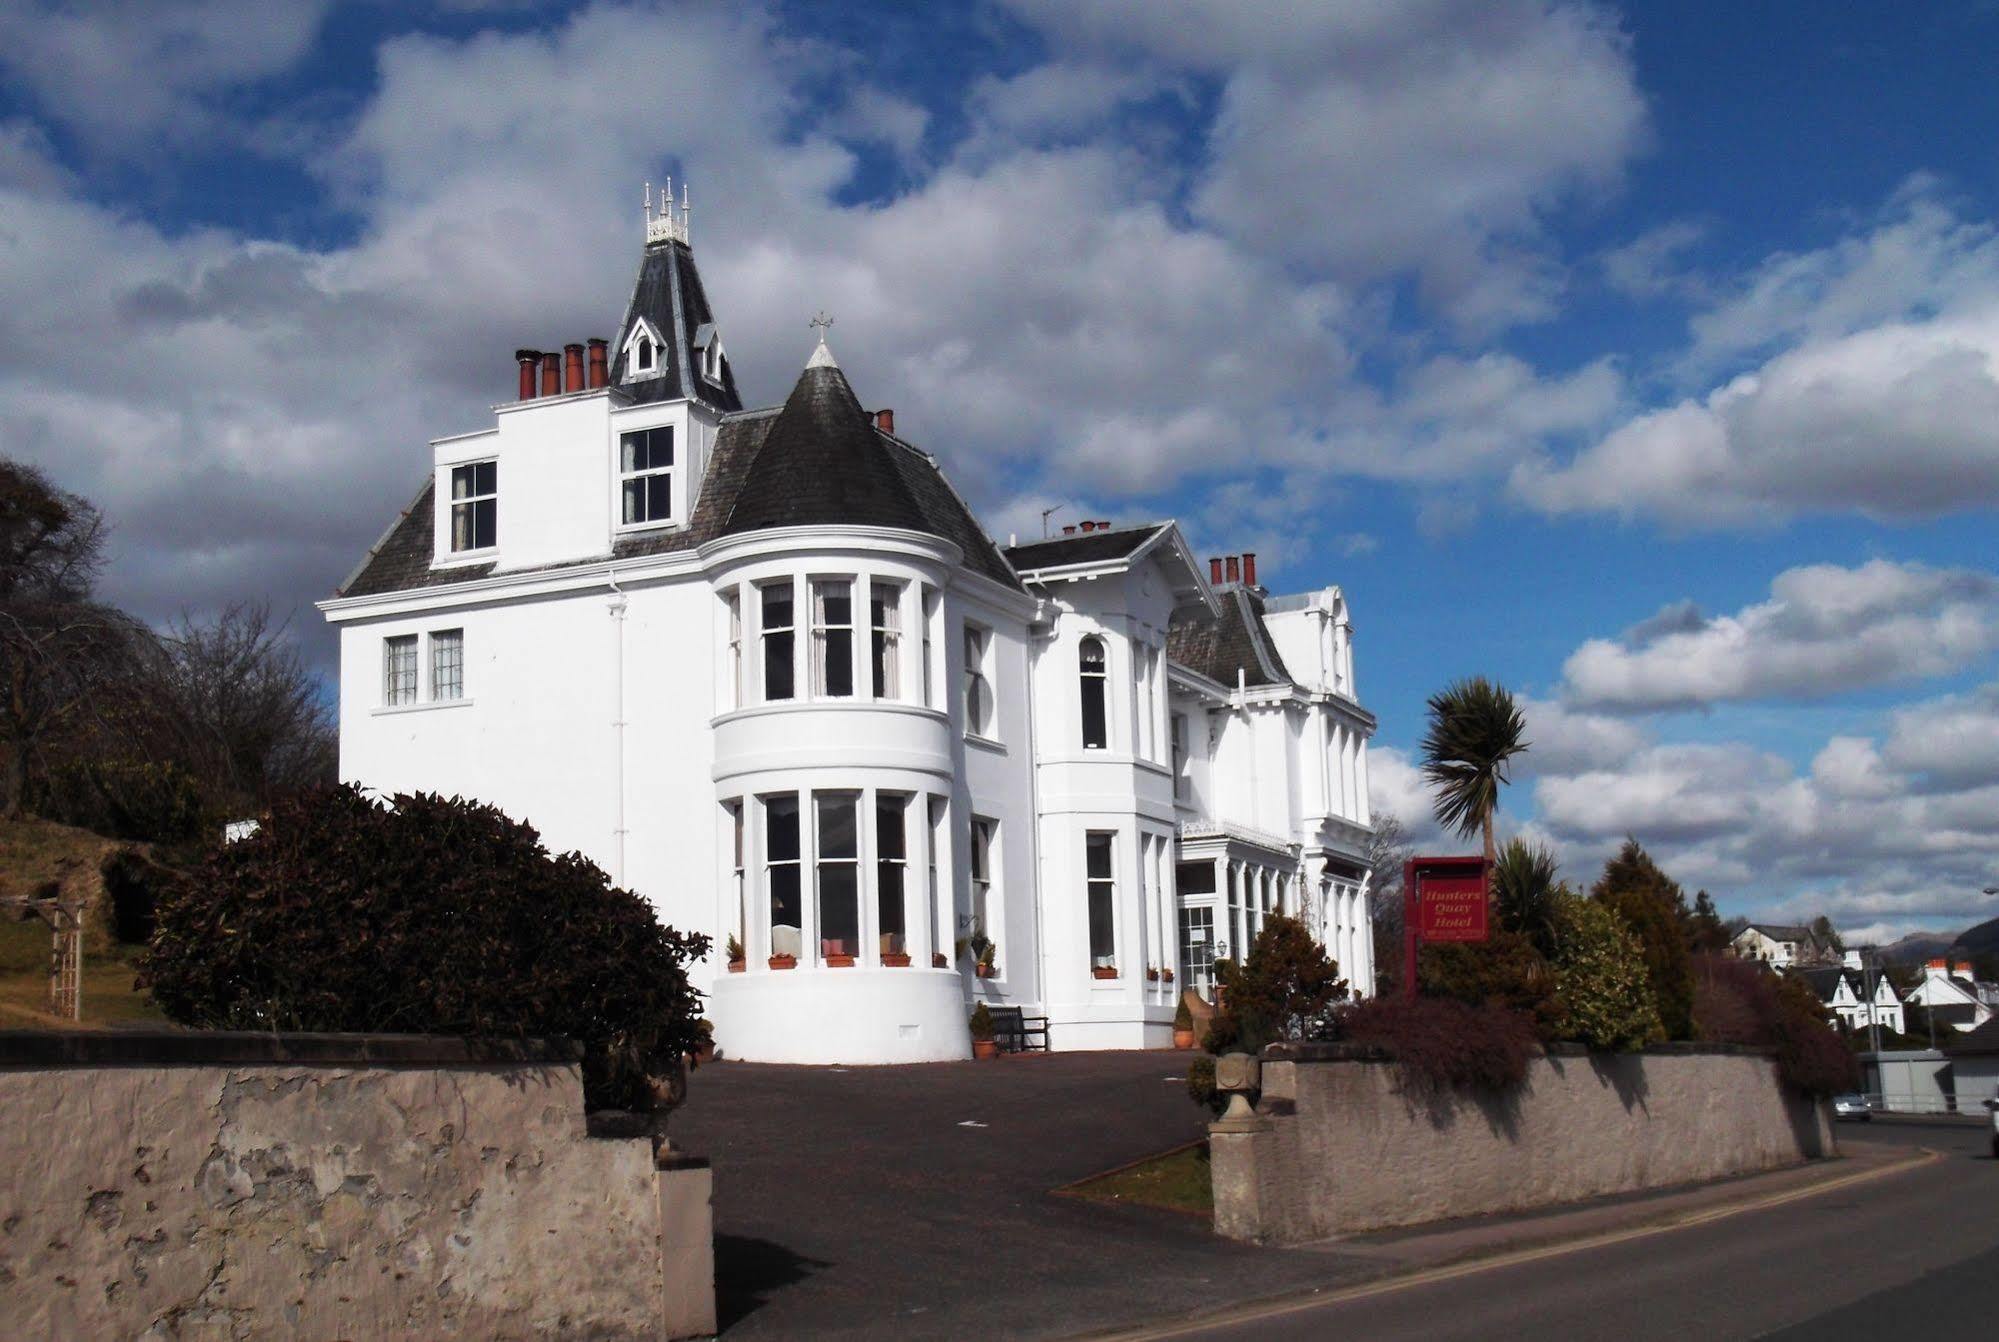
1341, 1145
225, 1185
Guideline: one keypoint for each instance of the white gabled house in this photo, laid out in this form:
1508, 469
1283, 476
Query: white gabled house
1844, 991
765, 667
1951, 995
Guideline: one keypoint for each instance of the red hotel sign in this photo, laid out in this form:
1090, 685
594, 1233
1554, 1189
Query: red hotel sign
1443, 899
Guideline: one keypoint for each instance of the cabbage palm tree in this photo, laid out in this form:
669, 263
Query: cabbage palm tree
1526, 895
1474, 730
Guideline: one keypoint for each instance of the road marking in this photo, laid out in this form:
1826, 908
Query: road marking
971, 1123
1387, 1285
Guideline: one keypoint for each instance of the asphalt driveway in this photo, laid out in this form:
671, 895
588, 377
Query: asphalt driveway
916, 1200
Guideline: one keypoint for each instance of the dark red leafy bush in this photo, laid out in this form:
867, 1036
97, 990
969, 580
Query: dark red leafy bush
426, 915
1446, 1044
1740, 1002
1504, 970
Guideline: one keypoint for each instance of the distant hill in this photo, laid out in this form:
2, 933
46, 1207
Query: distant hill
1918, 947
1979, 940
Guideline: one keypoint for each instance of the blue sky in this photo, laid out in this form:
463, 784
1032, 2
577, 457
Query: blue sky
1644, 358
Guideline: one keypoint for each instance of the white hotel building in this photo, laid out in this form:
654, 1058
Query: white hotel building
766, 669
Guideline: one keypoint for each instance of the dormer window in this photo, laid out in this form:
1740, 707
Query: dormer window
475, 492
645, 351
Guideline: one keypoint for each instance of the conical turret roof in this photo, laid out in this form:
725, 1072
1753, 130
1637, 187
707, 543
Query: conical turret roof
825, 464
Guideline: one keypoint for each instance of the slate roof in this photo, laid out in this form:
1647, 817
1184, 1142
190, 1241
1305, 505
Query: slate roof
668, 294
1217, 646
1085, 547
756, 478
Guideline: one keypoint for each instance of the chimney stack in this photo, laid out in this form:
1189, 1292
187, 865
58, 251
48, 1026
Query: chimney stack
1215, 569
1249, 568
527, 359
572, 367
1963, 969
551, 375
600, 363
885, 420
1069, 529
1234, 568
1089, 526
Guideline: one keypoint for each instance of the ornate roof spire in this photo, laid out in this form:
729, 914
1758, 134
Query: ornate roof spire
670, 224
822, 357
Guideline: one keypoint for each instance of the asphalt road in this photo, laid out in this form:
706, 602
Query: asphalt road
1909, 1254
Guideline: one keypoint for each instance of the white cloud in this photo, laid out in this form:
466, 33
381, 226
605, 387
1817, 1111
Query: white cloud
130, 74
1384, 139
1880, 400
1649, 266
1825, 629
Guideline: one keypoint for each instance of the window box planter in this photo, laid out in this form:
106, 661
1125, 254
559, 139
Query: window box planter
784, 962
938, 960
737, 966
894, 960
834, 961
1104, 972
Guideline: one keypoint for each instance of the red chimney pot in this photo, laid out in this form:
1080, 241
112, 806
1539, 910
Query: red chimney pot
551, 375
1215, 570
1249, 567
1234, 566
885, 420
527, 359
572, 367
1069, 530
600, 362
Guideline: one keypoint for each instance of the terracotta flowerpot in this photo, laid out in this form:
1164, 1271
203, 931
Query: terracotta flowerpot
784, 962
1183, 1039
1104, 972
839, 962
1152, 976
1166, 975
983, 971
985, 1048
938, 960
894, 959
737, 966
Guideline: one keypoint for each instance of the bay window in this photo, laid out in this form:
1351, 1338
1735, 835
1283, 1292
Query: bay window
1100, 876
838, 877
885, 647
891, 871
782, 882
833, 638
779, 633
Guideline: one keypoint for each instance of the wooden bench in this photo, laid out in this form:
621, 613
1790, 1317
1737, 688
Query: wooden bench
1017, 1033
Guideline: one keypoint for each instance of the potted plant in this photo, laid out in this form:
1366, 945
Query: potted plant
1152, 973
1103, 972
736, 962
784, 961
1183, 1026
704, 1052
938, 960
1166, 975
892, 952
983, 1045
839, 960
986, 968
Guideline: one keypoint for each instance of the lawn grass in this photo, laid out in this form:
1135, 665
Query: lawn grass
1176, 1180
108, 995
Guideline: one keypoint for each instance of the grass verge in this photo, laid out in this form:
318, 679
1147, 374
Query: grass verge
1176, 1181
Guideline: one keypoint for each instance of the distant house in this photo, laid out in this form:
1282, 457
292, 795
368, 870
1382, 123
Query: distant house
1844, 991
1952, 996
1783, 945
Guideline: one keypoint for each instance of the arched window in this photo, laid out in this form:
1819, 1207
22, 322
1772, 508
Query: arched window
1096, 720
645, 355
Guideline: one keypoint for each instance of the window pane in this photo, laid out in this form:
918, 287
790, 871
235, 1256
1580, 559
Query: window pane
839, 663
486, 477
784, 908
1099, 856
781, 828
399, 670
838, 834
461, 482
777, 606
1195, 878
889, 838
1095, 728
777, 666
635, 501
839, 908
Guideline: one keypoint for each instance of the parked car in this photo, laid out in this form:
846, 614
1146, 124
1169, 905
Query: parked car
1851, 1107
